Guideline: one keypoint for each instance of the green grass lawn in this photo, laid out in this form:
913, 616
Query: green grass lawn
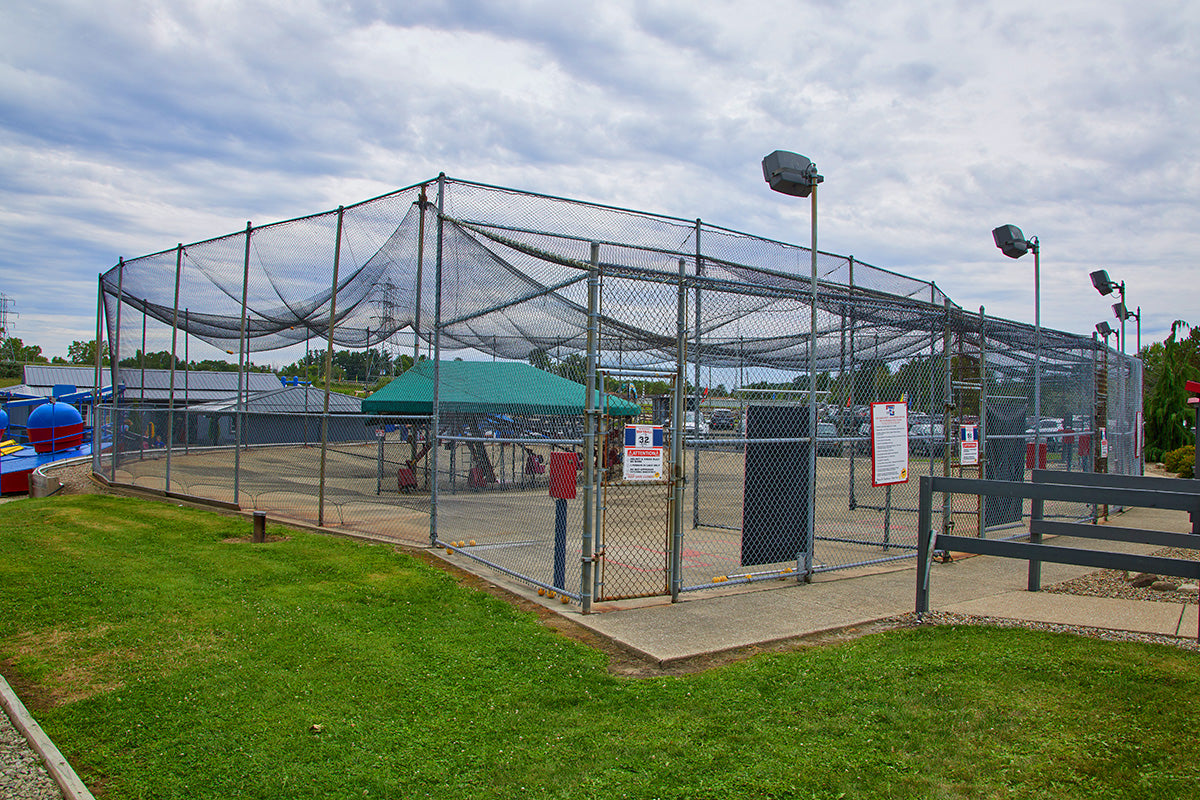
166, 661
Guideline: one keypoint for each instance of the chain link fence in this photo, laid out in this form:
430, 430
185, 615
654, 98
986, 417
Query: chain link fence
767, 466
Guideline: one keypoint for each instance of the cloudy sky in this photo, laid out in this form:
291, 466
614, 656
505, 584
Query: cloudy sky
128, 126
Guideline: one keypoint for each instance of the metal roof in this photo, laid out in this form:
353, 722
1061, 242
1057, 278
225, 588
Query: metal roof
487, 387
294, 400
49, 376
190, 385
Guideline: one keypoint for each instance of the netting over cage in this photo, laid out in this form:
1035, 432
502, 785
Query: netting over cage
513, 273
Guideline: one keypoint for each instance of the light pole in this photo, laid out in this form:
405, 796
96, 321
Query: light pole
1013, 244
795, 175
1105, 330
1105, 285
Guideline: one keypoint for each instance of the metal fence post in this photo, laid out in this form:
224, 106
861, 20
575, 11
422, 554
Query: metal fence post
696, 448
1037, 509
983, 399
96, 426
810, 538
850, 392
237, 443
187, 428
337, 255
174, 345
947, 404
114, 358
677, 471
435, 416
589, 435
924, 541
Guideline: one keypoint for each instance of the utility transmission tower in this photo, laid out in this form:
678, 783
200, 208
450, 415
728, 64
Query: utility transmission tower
6, 303
385, 318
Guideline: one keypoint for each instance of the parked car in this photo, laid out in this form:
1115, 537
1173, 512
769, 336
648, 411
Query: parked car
694, 424
846, 419
828, 443
863, 443
927, 439
725, 419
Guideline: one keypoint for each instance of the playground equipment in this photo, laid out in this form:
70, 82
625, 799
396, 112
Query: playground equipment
54, 431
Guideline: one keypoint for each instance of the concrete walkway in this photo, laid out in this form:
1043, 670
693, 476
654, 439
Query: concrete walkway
706, 623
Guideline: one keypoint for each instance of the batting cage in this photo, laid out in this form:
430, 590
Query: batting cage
601, 402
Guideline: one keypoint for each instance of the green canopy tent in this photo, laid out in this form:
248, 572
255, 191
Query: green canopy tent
506, 399
487, 387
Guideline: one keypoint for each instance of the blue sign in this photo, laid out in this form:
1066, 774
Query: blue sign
643, 436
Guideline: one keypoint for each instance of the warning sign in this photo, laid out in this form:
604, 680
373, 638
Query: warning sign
643, 453
889, 443
968, 439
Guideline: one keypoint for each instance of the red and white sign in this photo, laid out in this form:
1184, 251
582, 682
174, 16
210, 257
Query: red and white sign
889, 443
643, 453
968, 437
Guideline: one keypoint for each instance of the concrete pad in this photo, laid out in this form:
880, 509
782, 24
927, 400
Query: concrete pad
1189, 622
701, 625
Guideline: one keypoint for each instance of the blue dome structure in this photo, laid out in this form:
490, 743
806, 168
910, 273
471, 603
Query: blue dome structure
55, 426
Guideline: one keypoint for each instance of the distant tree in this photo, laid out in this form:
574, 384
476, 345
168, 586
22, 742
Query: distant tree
572, 367
85, 353
13, 349
211, 365
1167, 412
541, 360
160, 359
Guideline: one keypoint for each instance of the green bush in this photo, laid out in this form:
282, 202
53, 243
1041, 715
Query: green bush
1154, 455
1181, 461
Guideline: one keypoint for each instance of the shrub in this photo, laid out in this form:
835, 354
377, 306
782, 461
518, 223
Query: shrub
1181, 461
1154, 455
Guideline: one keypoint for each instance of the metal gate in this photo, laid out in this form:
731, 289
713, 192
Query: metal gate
635, 520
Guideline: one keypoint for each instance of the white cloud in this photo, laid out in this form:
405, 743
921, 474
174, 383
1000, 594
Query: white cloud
128, 126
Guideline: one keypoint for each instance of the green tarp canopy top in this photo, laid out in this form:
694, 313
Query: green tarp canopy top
486, 387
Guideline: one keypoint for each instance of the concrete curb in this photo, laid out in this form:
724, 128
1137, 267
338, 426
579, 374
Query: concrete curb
58, 767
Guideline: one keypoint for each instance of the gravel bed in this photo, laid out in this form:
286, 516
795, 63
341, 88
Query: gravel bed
23, 776
1115, 583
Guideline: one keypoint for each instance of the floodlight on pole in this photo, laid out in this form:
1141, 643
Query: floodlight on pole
790, 173
1105, 286
1122, 313
1106, 330
1012, 243
796, 175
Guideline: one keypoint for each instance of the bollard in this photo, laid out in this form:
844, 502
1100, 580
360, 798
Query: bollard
260, 527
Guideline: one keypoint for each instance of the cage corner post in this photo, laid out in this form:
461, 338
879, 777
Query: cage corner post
239, 413
435, 411
174, 346
677, 471
589, 436
337, 255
